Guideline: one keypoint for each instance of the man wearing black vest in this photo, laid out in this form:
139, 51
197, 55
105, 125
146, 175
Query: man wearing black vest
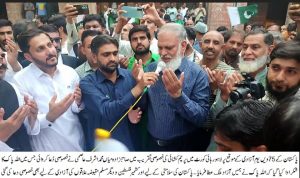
12, 131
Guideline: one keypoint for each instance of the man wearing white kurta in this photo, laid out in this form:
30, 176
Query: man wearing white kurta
56, 91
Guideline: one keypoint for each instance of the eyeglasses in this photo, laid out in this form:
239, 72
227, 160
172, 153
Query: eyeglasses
56, 40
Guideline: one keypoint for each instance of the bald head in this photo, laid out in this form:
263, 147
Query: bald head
215, 34
212, 44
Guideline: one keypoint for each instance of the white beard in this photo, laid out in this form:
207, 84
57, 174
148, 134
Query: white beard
252, 66
175, 63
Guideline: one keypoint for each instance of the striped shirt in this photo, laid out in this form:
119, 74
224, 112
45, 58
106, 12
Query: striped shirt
168, 117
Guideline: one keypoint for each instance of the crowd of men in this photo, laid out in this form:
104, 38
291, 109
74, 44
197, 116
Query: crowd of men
217, 89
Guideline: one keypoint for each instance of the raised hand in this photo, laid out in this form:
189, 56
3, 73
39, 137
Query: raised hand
151, 14
134, 116
123, 61
77, 95
215, 77
13, 123
33, 110
12, 55
137, 71
294, 12
70, 12
121, 19
150, 78
56, 109
229, 85
172, 84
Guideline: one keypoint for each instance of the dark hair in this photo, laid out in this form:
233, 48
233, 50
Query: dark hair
92, 17
42, 18
25, 37
274, 24
287, 50
191, 34
58, 20
228, 34
243, 122
291, 27
162, 10
139, 28
268, 37
282, 127
101, 40
5, 22
257, 26
167, 18
49, 28
22, 26
222, 29
87, 33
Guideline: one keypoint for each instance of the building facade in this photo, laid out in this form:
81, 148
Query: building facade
216, 12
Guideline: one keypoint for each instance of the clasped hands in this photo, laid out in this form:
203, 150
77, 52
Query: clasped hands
172, 83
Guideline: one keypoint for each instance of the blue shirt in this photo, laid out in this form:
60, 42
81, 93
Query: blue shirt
197, 47
105, 103
168, 117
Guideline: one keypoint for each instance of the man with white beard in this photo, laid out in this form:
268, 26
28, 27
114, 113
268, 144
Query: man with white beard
257, 47
178, 102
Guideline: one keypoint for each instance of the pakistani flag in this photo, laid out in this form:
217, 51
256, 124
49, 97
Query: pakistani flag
241, 15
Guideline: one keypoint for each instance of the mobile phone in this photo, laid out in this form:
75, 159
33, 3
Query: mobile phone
82, 9
133, 12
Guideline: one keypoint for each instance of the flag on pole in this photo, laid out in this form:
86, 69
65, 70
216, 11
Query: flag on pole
241, 15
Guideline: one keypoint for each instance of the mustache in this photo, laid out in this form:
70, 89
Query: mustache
3, 66
210, 50
166, 56
112, 62
140, 45
50, 56
235, 50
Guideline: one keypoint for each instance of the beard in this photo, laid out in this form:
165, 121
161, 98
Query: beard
3, 66
143, 51
2, 73
252, 66
232, 53
110, 68
175, 62
45, 64
277, 95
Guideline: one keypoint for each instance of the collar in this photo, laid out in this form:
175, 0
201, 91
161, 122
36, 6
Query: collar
39, 73
101, 78
59, 58
261, 74
183, 65
87, 67
153, 58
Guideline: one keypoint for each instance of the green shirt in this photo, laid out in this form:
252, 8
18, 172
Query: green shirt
181, 22
84, 69
132, 59
142, 126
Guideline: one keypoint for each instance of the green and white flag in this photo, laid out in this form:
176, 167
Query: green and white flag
241, 15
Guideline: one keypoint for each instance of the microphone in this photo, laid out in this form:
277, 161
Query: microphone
161, 65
